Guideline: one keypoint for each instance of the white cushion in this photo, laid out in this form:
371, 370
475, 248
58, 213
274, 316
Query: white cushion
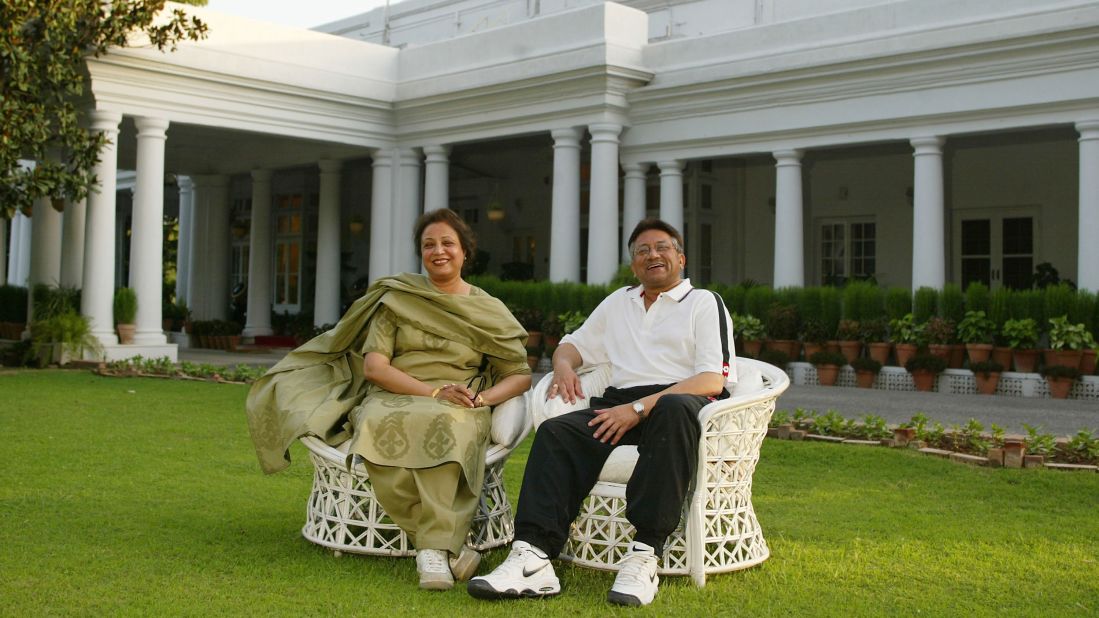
509, 421
749, 381
619, 466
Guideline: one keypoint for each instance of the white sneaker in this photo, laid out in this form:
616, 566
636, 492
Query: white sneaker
465, 564
434, 569
526, 572
636, 581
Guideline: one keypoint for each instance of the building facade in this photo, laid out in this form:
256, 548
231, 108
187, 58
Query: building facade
796, 142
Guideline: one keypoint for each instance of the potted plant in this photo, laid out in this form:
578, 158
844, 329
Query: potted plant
1068, 341
939, 333
63, 337
866, 371
977, 331
907, 337
125, 313
828, 366
875, 334
925, 368
1060, 379
775, 357
551, 332
751, 332
814, 334
1022, 336
531, 319
782, 327
987, 375
849, 335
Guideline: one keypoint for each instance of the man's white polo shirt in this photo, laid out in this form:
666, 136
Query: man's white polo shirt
678, 337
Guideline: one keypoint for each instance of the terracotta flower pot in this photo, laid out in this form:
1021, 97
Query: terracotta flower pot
811, 348
864, 378
904, 435
752, 347
828, 374
987, 382
1049, 357
789, 347
850, 350
1087, 362
1068, 358
978, 352
1002, 356
1025, 360
905, 351
941, 350
1059, 387
879, 351
126, 333
832, 346
924, 380
957, 356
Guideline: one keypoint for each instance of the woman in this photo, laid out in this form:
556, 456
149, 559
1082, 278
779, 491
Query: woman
435, 354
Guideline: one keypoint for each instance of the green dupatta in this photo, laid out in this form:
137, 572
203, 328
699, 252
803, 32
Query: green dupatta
312, 389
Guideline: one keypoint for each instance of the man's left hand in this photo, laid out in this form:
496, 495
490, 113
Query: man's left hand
614, 422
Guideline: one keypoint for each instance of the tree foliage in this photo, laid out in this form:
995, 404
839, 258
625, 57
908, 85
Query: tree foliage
43, 48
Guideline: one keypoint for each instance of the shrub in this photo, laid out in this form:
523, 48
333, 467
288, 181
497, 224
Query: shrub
986, 367
951, 303
1065, 336
848, 330
905, 330
777, 358
13, 303
813, 331
824, 357
874, 330
939, 331
50, 301
924, 304
977, 297
758, 301
898, 303
976, 328
1021, 333
864, 363
999, 307
831, 308
782, 321
811, 306
926, 362
1057, 300
748, 327
1060, 371
125, 306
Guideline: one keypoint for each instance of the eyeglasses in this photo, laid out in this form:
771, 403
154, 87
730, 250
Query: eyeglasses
661, 248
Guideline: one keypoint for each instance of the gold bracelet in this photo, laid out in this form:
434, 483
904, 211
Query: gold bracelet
436, 391
480, 400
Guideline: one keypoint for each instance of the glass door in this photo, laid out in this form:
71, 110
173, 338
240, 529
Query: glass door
995, 248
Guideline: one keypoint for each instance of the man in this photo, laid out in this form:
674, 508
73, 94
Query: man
663, 340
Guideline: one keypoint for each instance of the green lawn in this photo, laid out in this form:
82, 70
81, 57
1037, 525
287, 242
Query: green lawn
142, 496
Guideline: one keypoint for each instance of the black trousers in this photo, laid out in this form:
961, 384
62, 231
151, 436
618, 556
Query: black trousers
565, 462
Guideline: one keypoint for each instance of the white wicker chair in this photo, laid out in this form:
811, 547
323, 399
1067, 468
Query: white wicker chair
342, 513
719, 531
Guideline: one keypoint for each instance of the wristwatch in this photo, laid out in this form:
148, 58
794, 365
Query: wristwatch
639, 408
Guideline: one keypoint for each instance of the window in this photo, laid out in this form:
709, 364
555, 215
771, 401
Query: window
847, 251
288, 214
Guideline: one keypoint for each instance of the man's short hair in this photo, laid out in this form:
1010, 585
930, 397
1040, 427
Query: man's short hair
656, 224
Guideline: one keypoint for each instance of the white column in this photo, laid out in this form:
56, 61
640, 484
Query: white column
405, 211
381, 215
258, 321
20, 246
208, 284
3, 251
928, 233
603, 244
633, 201
147, 238
72, 244
1087, 250
45, 266
789, 261
565, 215
97, 295
671, 193
436, 177
326, 299
184, 239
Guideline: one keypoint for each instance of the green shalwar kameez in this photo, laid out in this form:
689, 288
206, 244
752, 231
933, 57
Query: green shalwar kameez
425, 458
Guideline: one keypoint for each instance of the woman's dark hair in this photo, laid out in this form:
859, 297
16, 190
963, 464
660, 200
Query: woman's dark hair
656, 224
445, 215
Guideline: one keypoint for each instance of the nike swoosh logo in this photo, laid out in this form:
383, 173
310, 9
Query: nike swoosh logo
527, 573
